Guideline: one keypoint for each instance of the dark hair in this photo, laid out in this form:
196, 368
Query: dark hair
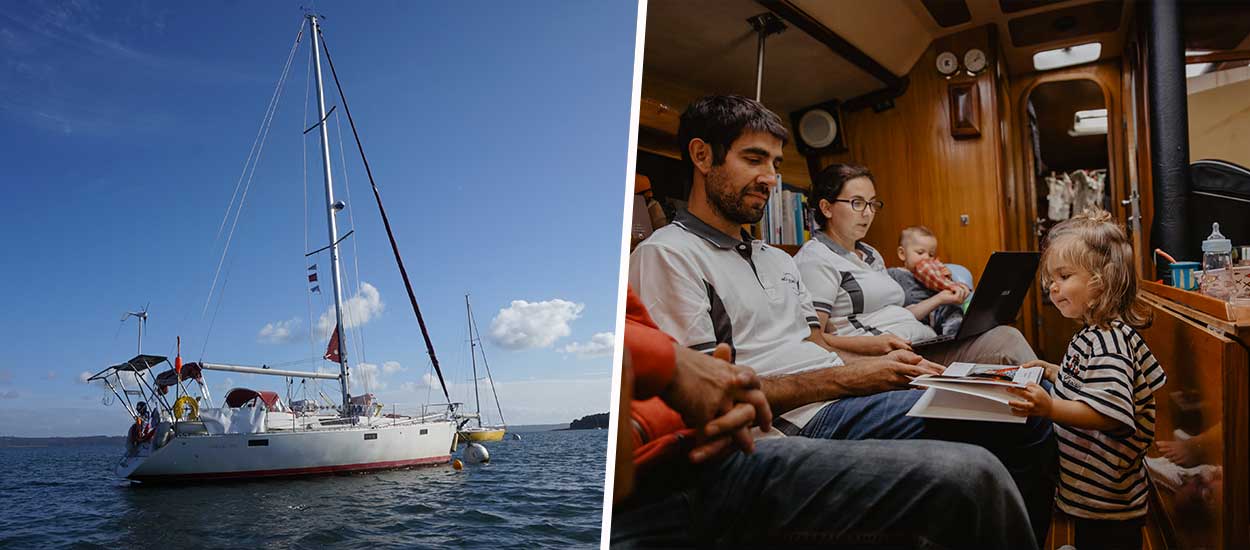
721, 119
828, 185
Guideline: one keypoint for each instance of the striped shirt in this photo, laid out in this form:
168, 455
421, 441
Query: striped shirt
854, 289
1101, 473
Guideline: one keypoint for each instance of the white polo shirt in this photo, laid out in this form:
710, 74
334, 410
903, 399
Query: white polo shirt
704, 287
857, 293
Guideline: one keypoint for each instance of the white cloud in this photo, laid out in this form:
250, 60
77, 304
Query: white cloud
357, 310
83, 376
427, 381
392, 367
51, 375
11, 394
279, 332
600, 345
369, 377
533, 324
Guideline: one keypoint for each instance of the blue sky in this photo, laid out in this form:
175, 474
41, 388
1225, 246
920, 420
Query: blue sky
498, 133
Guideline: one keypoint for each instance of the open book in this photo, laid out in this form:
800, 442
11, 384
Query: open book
965, 391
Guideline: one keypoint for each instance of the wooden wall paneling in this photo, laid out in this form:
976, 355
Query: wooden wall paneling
675, 97
923, 174
1019, 214
1206, 397
1131, 128
1145, 176
1014, 229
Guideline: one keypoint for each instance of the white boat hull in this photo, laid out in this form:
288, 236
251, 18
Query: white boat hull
294, 453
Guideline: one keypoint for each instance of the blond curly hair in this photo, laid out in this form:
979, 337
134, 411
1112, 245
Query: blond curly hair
1099, 245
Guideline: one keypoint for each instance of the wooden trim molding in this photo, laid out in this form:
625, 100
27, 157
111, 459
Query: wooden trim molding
965, 109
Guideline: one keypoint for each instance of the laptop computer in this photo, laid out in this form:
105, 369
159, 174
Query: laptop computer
997, 300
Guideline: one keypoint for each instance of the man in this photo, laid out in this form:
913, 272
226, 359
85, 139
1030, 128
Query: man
706, 282
695, 490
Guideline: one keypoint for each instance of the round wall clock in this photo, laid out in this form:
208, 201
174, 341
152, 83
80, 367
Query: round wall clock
947, 63
975, 61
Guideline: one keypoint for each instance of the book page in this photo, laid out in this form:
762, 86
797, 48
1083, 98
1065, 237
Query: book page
953, 406
997, 375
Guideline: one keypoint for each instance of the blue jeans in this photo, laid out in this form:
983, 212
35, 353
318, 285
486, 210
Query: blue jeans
1028, 450
850, 494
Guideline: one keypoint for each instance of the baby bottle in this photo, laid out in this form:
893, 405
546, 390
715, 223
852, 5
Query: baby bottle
1217, 261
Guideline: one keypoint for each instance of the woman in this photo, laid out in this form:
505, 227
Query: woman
859, 305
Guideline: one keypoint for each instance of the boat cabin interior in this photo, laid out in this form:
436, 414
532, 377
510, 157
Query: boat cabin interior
989, 121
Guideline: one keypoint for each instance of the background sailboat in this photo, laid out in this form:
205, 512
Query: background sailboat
471, 427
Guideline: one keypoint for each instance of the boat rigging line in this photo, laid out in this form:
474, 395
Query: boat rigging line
429, 346
493, 391
253, 159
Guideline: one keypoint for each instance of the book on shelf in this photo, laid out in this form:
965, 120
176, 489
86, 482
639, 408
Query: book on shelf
787, 219
967, 391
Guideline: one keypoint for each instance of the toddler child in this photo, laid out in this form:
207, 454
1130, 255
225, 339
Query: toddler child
929, 290
1102, 402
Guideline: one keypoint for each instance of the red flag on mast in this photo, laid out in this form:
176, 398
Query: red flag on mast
333, 350
178, 359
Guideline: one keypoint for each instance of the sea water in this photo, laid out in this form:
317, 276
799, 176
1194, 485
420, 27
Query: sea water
545, 490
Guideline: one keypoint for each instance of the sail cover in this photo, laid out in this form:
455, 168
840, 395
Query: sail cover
240, 396
190, 371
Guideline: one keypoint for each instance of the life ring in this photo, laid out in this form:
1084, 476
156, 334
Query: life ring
191, 404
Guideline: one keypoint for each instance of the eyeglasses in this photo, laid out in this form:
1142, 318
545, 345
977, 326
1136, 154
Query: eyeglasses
859, 205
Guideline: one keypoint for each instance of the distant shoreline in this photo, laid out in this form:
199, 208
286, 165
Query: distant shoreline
590, 422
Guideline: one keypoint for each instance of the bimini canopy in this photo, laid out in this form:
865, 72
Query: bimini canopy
140, 363
241, 396
137, 365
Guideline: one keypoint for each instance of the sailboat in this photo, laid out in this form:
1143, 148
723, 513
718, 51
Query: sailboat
479, 432
254, 434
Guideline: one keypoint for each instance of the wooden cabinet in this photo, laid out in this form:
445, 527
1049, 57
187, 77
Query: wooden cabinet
1204, 415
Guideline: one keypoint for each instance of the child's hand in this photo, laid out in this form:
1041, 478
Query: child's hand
1052, 370
949, 297
1035, 401
964, 292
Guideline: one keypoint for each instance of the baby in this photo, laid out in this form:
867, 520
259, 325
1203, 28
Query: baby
931, 294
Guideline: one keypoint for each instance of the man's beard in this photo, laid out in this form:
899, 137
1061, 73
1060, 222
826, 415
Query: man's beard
732, 205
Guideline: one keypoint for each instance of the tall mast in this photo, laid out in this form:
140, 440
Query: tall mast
477, 401
331, 209
485, 363
390, 235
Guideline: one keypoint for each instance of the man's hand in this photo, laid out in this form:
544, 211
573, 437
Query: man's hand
1034, 401
719, 399
1052, 370
894, 371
